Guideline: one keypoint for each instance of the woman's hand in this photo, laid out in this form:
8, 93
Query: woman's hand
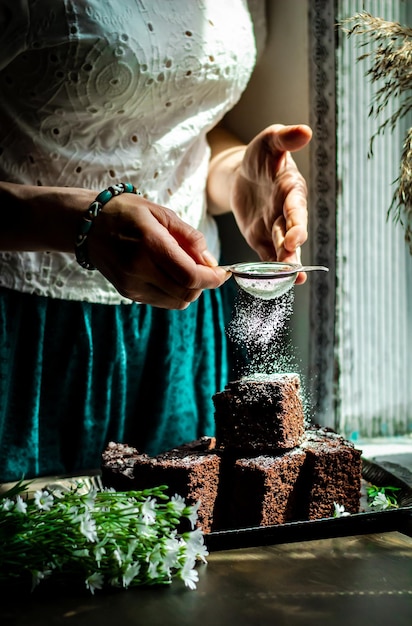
269, 194
145, 250
150, 255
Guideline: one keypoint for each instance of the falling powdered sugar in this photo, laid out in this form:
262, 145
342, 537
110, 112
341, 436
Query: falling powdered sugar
260, 335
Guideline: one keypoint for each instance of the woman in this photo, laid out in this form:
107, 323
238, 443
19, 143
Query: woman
112, 323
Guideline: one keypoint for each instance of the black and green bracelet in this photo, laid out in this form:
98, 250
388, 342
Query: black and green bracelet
92, 212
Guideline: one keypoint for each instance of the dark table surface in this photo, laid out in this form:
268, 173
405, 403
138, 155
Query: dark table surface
304, 575
356, 580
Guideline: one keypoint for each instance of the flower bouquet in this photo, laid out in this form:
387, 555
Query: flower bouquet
101, 538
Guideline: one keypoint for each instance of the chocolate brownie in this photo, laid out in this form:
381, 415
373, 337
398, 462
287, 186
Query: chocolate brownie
260, 414
264, 489
332, 474
192, 474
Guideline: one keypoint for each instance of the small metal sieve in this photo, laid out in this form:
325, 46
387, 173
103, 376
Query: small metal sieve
268, 280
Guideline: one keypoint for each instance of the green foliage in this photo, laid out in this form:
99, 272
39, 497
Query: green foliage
381, 498
100, 538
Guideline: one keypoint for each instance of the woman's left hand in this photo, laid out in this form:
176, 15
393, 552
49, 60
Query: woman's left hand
269, 194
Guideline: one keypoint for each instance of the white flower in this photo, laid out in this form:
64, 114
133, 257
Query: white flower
59, 493
90, 498
148, 511
99, 553
189, 575
95, 581
130, 549
130, 572
155, 562
21, 506
380, 502
88, 527
83, 553
58, 490
171, 551
178, 503
152, 570
74, 513
37, 577
118, 555
195, 547
339, 510
147, 532
43, 500
120, 506
192, 516
7, 504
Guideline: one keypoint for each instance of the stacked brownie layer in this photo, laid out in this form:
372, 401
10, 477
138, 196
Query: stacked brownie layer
260, 413
192, 473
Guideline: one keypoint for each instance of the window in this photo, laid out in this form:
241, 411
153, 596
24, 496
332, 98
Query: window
361, 318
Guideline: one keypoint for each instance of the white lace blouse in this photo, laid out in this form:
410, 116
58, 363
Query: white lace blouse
100, 91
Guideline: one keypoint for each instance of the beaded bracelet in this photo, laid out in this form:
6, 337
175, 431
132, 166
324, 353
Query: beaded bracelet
92, 212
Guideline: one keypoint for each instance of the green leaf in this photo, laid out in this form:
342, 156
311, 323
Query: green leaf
389, 492
17, 489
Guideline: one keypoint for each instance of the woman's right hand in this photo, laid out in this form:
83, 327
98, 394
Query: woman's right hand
145, 250
150, 255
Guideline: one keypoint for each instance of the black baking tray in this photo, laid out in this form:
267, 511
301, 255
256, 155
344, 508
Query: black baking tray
365, 522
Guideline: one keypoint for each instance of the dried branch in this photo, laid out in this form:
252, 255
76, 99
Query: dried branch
392, 69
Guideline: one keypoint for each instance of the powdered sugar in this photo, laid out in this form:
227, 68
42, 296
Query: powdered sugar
259, 333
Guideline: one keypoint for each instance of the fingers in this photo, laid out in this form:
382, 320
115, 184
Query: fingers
290, 229
289, 138
149, 283
152, 294
290, 205
162, 291
284, 255
181, 261
267, 154
151, 256
295, 237
295, 214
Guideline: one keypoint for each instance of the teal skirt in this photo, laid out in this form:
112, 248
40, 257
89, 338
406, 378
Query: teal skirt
76, 375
